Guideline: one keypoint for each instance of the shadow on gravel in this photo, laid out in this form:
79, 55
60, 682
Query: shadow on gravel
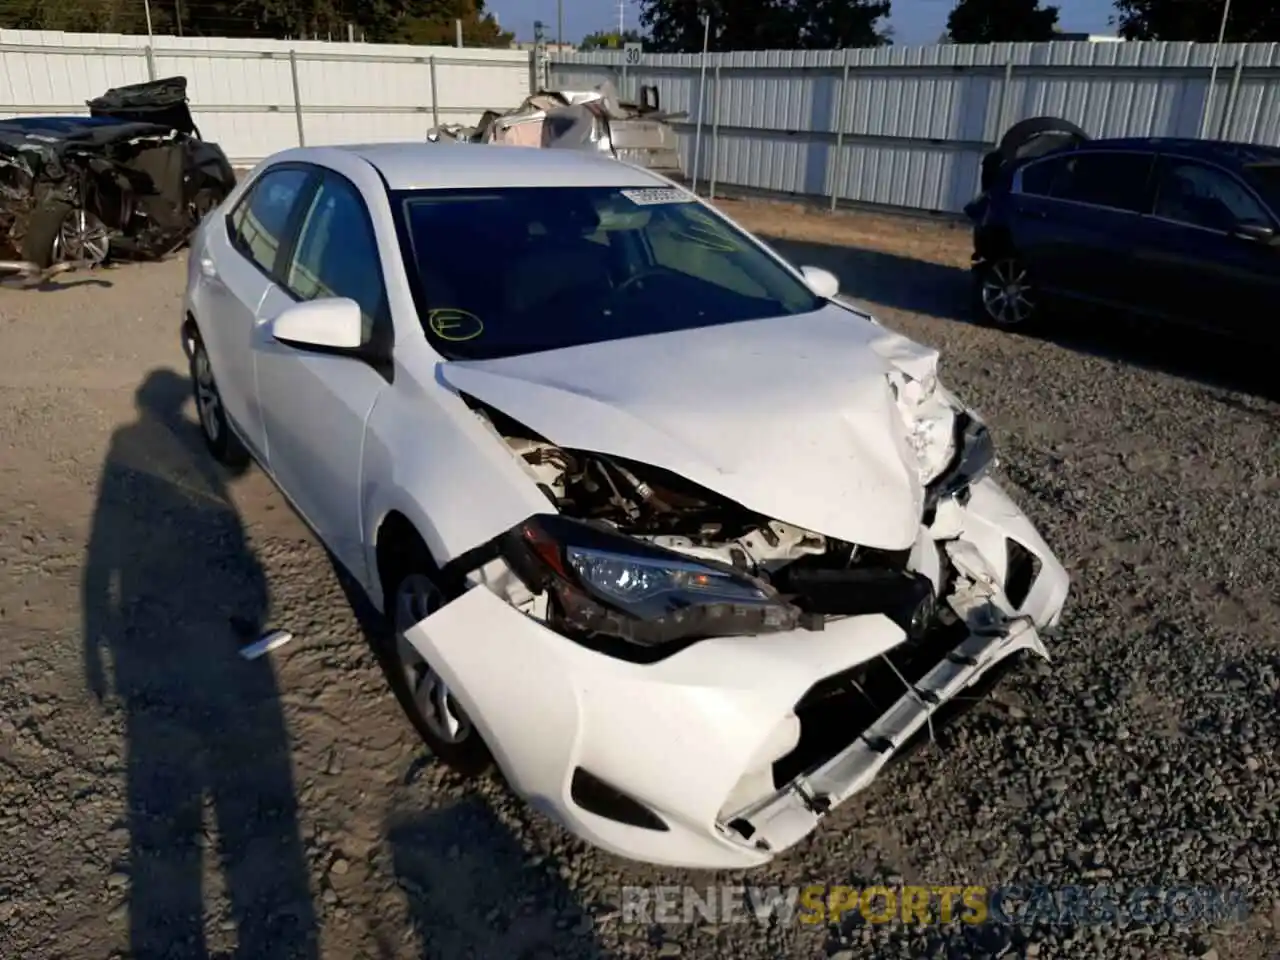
54, 285
471, 893
169, 581
917, 286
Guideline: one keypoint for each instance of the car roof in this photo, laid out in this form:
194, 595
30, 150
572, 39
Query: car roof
1218, 150
443, 166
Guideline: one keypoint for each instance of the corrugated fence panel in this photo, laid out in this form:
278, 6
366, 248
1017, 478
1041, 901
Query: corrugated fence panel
910, 125
242, 90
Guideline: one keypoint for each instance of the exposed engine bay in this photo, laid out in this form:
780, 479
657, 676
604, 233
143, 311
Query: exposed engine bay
937, 592
728, 609
822, 577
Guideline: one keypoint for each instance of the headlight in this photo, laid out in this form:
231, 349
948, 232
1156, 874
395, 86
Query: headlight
607, 583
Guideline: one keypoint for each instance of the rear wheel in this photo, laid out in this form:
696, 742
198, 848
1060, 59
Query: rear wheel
218, 435
424, 694
1005, 293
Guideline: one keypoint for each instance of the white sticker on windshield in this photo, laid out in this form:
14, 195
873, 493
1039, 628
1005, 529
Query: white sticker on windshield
649, 197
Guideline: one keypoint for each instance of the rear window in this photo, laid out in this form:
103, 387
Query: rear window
501, 272
1266, 178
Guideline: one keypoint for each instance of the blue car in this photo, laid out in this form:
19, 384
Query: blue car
1178, 230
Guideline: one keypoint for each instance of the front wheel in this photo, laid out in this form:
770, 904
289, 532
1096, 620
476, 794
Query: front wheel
59, 232
423, 693
1005, 294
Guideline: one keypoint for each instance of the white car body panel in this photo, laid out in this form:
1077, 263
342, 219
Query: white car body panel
814, 387
718, 700
792, 418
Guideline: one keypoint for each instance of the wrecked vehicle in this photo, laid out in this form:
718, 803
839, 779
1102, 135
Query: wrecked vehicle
685, 545
595, 120
130, 180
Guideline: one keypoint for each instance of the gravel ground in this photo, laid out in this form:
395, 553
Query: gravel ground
161, 797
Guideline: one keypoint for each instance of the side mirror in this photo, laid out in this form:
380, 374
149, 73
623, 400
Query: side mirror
1255, 231
331, 323
822, 282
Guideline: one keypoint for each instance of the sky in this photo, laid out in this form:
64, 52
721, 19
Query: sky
913, 21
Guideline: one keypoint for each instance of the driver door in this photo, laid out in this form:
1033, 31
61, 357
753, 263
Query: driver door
1201, 272
315, 403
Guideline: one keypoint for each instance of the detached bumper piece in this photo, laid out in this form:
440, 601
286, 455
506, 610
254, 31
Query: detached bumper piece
785, 818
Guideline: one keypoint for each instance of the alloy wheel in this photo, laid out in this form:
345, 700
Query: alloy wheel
82, 236
208, 402
416, 599
1007, 295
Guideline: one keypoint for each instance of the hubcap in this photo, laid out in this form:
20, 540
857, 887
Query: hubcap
1007, 295
417, 599
208, 403
82, 236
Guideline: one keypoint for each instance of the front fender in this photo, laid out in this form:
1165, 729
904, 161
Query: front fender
428, 457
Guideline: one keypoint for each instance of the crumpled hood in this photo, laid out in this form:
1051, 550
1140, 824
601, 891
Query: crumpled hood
791, 417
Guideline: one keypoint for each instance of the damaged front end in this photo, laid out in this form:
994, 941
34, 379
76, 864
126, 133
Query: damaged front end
132, 180
731, 676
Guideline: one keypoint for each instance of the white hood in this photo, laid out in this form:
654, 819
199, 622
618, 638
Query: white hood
791, 417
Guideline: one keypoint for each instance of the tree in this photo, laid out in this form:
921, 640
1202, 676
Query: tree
1251, 21
1001, 21
379, 21
608, 40
88, 16
433, 21
675, 26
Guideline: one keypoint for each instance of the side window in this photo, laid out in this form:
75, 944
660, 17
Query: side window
1038, 178
259, 222
1114, 180
337, 253
1204, 196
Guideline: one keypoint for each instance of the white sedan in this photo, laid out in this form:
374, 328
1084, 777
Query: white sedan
686, 545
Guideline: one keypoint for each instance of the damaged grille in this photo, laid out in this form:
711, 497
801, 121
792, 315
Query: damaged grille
837, 709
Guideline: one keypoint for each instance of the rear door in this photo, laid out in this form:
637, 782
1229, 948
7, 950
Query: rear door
237, 266
1074, 215
1201, 271
315, 403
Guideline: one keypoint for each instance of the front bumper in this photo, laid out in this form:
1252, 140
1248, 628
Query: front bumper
692, 740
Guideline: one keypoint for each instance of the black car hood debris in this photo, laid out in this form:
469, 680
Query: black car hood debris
137, 163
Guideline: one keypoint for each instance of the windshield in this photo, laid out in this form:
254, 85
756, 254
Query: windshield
501, 272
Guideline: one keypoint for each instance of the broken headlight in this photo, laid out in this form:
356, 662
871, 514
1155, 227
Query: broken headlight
606, 583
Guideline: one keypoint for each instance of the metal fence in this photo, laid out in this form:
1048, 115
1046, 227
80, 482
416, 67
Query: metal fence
906, 127
255, 97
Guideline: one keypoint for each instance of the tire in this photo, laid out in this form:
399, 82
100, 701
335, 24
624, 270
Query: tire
42, 243
413, 596
1016, 140
218, 435
1004, 294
